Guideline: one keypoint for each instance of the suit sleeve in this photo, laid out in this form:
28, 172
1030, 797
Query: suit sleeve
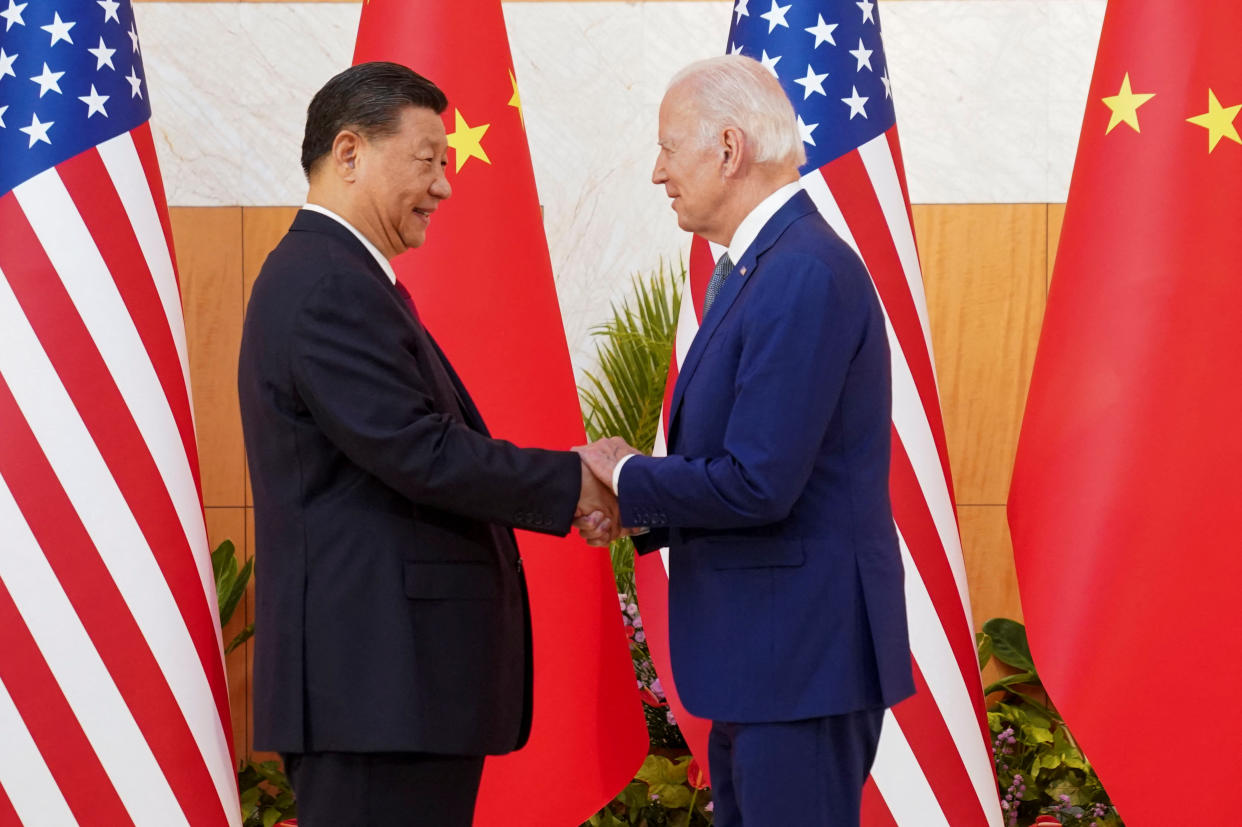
355, 366
801, 327
654, 540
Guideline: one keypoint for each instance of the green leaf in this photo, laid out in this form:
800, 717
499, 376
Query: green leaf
271, 815
1034, 735
241, 637
625, 395
1068, 787
1029, 714
1010, 680
1009, 643
983, 645
672, 796
633, 797
231, 592
657, 769
220, 555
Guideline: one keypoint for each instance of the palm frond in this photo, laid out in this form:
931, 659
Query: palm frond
625, 395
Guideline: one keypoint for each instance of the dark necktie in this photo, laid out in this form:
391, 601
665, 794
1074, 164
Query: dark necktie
717, 281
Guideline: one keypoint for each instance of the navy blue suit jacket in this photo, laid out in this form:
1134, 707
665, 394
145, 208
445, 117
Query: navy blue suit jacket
391, 610
785, 592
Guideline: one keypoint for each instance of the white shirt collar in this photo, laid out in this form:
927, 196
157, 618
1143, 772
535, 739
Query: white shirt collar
384, 264
748, 230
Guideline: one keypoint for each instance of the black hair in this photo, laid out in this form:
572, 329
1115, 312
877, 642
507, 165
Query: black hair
368, 99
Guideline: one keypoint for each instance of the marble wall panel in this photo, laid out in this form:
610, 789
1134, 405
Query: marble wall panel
989, 94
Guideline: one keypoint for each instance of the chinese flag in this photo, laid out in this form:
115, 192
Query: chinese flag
483, 285
1127, 490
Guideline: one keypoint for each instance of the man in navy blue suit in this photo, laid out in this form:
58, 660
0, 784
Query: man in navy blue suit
788, 623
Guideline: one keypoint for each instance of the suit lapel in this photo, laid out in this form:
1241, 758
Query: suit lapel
470, 413
450, 392
796, 207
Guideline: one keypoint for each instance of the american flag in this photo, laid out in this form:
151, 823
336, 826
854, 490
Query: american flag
113, 707
934, 763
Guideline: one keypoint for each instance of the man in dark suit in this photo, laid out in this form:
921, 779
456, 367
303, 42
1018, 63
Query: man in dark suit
788, 626
393, 631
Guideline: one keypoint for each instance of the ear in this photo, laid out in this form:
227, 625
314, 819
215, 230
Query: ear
346, 149
733, 151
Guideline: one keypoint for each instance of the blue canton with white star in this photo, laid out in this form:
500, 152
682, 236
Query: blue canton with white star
71, 77
828, 56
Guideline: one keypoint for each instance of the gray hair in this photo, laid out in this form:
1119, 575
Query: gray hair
738, 91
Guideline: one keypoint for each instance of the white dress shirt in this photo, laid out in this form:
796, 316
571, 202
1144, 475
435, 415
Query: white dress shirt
383, 262
743, 237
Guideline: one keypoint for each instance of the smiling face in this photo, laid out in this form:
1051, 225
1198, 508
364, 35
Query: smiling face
690, 169
400, 180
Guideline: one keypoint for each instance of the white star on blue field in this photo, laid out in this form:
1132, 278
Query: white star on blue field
71, 77
828, 56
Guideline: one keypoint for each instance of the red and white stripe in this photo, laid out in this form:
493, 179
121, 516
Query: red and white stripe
113, 701
934, 763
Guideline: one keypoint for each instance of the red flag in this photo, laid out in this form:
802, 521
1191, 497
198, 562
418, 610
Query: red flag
483, 284
1125, 490
933, 766
113, 701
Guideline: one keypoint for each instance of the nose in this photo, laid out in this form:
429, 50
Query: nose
441, 188
659, 175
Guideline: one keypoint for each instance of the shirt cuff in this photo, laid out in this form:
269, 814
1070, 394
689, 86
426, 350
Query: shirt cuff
616, 473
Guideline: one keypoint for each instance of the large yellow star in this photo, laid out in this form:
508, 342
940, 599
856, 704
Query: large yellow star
516, 100
1124, 106
1218, 121
467, 141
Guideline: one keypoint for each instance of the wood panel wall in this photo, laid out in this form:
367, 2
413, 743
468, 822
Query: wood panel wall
986, 267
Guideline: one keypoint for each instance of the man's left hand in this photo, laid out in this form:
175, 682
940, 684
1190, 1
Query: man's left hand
603, 455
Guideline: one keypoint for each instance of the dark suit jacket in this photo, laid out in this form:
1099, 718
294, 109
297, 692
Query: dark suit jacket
785, 582
391, 607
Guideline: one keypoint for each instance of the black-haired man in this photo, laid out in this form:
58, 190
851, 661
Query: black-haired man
392, 645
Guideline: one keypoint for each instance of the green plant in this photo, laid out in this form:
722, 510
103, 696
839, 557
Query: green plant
625, 395
664, 793
265, 793
266, 796
1039, 767
230, 587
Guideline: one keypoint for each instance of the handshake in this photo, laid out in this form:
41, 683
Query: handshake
598, 517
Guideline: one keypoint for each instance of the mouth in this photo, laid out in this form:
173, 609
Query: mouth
423, 214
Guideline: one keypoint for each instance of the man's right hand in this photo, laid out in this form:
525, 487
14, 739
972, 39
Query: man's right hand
598, 517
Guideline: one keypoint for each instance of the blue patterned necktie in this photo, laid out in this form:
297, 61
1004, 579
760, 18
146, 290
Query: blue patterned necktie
717, 281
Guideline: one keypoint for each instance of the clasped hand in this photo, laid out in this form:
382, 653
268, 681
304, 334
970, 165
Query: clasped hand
598, 516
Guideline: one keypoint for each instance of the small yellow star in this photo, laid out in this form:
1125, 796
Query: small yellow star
467, 141
1124, 106
516, 100
1218, 121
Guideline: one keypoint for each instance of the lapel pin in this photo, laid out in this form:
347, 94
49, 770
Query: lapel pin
743, 271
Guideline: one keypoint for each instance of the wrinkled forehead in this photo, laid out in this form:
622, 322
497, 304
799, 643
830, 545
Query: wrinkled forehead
678, 113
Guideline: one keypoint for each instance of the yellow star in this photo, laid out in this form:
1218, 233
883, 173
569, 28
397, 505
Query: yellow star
1218, 121
467, 141
1125, 106
516, 100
